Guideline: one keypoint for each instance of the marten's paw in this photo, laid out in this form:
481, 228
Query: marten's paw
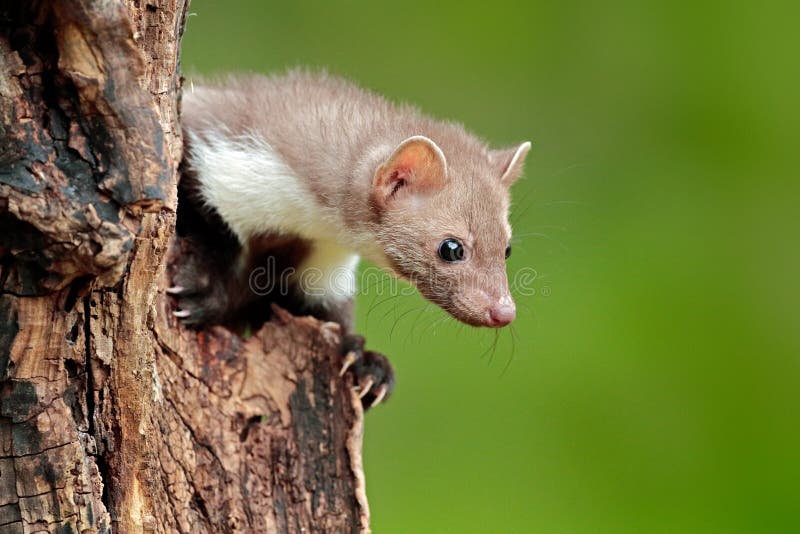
194, 308
373, 374
199, 296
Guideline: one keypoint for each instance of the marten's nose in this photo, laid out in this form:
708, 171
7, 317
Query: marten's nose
502, 312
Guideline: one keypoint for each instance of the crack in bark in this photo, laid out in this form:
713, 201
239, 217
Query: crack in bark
104, 470
38, 451
195, 438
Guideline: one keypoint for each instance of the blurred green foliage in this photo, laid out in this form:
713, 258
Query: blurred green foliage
652, 383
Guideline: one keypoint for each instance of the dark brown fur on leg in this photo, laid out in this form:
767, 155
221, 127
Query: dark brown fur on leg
220, 282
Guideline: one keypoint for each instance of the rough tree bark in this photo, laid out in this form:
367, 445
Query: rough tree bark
112, 416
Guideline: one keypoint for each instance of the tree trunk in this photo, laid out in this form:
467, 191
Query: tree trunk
113, 417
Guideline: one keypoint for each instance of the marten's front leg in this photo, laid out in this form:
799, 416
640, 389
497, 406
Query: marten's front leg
202, 283
210, 287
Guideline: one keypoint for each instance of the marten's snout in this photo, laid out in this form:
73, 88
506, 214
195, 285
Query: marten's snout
479, 308
483, 300
501, 312
484, 309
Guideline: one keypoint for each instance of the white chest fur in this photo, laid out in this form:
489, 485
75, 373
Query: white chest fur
255, 192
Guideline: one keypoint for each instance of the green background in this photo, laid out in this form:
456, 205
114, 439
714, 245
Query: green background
654, 376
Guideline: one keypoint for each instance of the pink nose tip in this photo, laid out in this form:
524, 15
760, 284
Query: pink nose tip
502, 313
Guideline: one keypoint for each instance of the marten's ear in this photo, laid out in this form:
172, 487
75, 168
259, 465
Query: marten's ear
509, 162
417, 165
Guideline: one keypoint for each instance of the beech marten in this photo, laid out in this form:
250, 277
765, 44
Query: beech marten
307, 173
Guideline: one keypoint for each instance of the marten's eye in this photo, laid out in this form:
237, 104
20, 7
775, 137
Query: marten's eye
451, 250
508, 251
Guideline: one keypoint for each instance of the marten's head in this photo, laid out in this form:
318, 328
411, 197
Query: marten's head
443, 224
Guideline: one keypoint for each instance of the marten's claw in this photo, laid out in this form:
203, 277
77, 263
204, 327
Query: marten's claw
181, 314
380, 393
349, 359
175, 290
364, 386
